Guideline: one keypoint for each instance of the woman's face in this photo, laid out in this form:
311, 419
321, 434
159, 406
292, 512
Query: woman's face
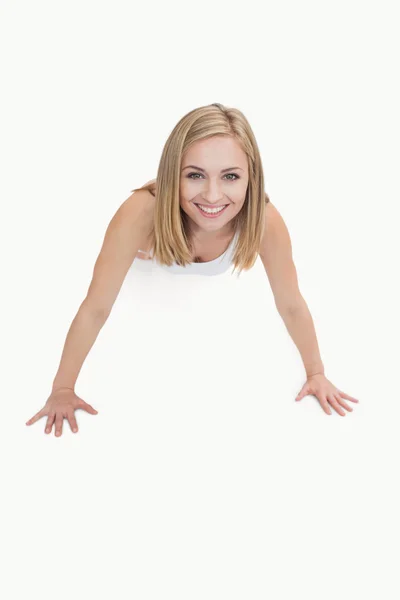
214, 174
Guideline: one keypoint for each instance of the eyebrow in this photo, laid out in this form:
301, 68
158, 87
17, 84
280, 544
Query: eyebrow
203, 170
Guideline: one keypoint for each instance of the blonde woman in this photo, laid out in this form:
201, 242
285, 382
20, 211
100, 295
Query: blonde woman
206, 209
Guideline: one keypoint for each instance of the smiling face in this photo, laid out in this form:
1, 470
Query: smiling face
214, 173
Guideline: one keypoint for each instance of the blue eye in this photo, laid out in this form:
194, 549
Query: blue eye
234, 175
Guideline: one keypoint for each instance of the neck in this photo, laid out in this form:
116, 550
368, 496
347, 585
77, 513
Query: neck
201, 235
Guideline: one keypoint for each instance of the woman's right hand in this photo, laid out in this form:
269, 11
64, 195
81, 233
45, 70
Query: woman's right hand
61, 403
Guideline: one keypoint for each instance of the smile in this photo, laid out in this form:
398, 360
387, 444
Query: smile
211, 212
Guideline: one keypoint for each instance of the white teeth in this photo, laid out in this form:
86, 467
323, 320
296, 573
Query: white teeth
211, 210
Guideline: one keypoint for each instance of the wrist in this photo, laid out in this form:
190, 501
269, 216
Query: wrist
314, 374
314, 368
61, 387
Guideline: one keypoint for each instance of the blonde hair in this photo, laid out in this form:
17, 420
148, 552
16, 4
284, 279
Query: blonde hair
169, 233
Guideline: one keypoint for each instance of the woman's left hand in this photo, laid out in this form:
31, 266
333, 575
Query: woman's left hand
326, 393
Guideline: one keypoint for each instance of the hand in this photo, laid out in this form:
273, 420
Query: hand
319, 386
62, 403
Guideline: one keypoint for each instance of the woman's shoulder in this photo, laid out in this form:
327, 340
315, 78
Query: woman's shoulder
145, 195
151, 182
149, 187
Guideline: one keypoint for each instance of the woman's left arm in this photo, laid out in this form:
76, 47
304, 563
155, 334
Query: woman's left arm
276, 256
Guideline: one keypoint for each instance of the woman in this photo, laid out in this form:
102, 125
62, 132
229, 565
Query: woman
207, 203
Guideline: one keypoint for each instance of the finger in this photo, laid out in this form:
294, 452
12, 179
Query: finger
49, 423
323, 402
336, 406
59, 424
36, 417
343, 403
347, 396
302, 393
72, 421
88, 408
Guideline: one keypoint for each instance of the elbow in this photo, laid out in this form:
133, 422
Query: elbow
290, 306
98, 312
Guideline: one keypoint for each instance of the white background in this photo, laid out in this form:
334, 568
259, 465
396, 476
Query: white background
200, 477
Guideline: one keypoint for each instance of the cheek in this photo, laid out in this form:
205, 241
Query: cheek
183, 198
239, 194
183, 191
188, 189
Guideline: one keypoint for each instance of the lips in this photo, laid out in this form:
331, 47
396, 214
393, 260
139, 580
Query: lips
212, 215
211, 206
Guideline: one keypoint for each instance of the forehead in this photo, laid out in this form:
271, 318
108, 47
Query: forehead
215, 151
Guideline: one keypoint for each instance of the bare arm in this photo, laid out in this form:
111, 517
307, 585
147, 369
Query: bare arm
121, 242
80, 338
276, 256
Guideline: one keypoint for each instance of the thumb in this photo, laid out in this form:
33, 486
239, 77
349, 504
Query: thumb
303, 392
88, 408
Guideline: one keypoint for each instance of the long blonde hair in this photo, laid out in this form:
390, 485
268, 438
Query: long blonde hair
170, 234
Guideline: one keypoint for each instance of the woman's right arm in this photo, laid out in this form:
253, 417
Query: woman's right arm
125, 232
80, 338
122, 240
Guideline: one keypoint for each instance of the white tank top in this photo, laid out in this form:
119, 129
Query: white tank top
212, 267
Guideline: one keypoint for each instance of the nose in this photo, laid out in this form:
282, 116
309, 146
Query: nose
212, 193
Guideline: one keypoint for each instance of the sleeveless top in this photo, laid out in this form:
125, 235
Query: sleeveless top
212, 267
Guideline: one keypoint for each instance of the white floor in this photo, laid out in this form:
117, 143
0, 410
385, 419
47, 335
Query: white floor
201, 477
